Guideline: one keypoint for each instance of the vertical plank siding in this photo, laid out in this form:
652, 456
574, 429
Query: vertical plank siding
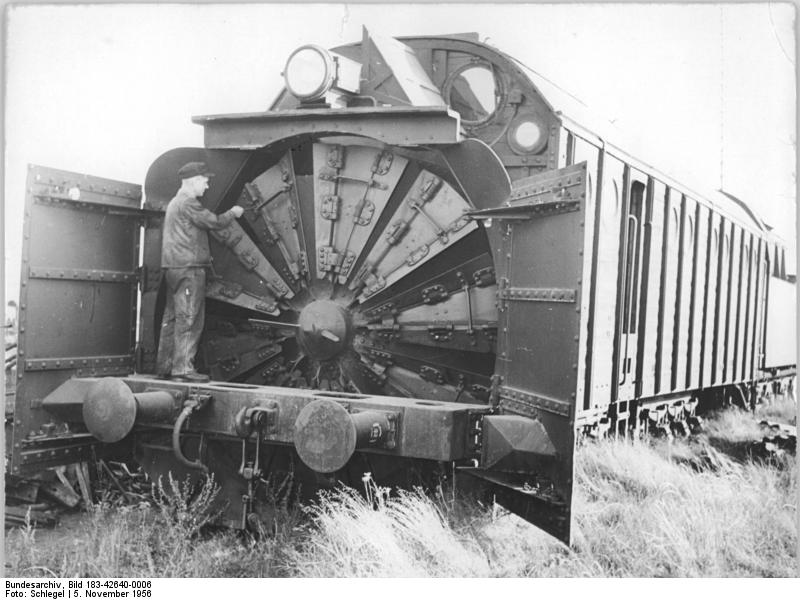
745, 305
723, 278
651, 289
693, 304
669, 286
602, 349
733, 305
684, 294
696, 349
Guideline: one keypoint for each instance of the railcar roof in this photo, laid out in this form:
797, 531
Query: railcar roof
576, 112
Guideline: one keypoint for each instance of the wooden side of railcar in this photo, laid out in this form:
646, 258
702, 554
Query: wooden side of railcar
677, 293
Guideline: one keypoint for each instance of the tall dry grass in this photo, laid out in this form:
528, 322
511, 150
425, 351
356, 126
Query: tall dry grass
688, 508
169, 537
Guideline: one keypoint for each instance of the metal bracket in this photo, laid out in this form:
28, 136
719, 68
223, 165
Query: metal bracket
417, 255
537, 294
227, 236
382, 358
429, 188
83, 275
364, 216
396, 232
434, 294
373, 283
247, 260
65, 201
527, 404
335, 177
441, 332
327, 258
278, 287
255, 417
483, 277
230, 289
384, 309
527, 210
431, 374
346, 263
329, 207
335, 158
72, 362
383, 162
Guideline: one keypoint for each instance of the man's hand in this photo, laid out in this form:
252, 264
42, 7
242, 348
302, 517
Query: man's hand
237, 211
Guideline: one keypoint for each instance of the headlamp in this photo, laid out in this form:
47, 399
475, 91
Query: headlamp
311, 72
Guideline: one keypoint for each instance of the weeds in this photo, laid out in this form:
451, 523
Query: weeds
406, 535
165, 538
692, 508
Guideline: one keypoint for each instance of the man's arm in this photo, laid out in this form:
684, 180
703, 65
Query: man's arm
205, 219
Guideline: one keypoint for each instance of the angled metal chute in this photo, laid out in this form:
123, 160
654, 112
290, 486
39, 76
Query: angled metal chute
479, 171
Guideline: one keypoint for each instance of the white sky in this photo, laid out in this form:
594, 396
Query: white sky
105, 90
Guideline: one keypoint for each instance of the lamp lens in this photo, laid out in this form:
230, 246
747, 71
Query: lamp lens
306, 73
528, 135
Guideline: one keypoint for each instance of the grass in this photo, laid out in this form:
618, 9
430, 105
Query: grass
699, 508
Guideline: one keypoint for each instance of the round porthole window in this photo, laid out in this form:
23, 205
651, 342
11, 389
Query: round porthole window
527, 136
473, 92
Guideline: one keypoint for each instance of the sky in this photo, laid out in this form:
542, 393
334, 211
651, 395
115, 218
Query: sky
704, 92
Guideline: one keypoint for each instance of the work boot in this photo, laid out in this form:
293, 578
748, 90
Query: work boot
191, 377
163, 376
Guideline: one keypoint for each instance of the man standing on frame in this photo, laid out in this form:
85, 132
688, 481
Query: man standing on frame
185, 257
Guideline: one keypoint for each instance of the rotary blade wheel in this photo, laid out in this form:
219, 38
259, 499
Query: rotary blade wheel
354, 269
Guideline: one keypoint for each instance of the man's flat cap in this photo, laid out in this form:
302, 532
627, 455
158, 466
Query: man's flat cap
193, 169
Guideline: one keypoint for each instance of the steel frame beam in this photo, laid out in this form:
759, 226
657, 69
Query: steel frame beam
396, 125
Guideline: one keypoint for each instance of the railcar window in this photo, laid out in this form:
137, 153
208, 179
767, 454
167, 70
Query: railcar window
634, 245
726, 242
474, 94
528, 137
610, 209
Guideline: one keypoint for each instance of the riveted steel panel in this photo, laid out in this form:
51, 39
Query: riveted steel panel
78, 294
540, 274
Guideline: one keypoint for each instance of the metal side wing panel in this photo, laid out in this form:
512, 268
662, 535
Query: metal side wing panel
538, 241
78, 295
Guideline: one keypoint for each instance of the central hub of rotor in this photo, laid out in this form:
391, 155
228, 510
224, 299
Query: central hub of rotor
324, 329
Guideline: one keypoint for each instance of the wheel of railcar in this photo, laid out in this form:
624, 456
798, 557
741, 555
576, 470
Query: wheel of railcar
353, 270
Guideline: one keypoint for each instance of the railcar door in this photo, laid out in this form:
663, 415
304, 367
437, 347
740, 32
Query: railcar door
630, 282
77, 305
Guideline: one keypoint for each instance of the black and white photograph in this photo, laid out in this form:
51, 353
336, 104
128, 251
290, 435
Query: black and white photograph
328, 290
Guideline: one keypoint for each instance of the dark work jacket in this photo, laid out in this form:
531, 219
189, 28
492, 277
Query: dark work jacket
185, 241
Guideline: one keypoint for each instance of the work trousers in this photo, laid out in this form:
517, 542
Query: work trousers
184, 317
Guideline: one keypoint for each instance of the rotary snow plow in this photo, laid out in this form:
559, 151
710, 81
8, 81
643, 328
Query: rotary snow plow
373, 310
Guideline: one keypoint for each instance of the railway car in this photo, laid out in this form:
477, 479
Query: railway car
444, 267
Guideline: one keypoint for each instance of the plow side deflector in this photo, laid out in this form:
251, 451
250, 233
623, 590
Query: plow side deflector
77, 313
538, 239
